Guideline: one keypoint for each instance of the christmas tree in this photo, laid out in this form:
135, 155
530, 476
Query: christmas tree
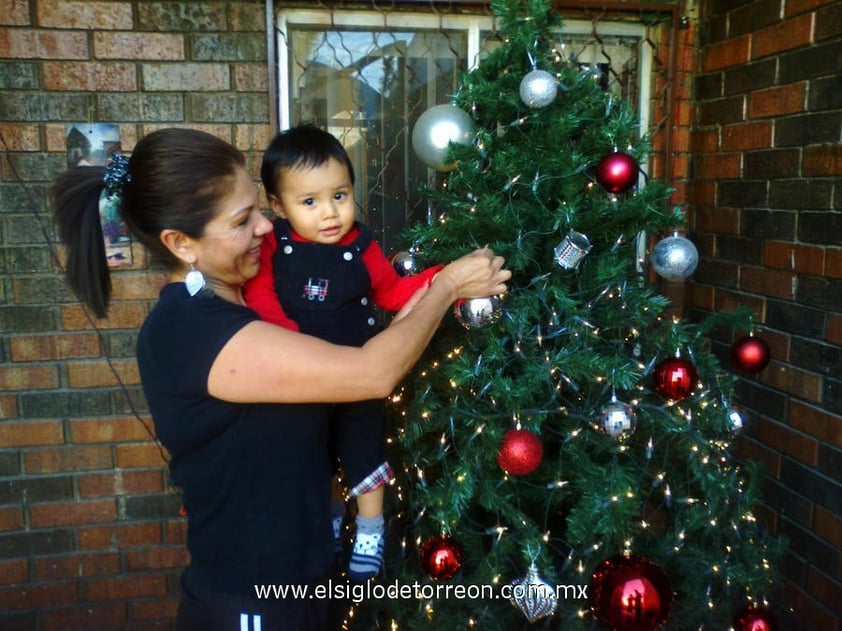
567, 445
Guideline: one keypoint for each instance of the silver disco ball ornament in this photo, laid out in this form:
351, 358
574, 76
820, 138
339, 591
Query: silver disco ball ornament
476, 313
538, 88
675, 257
617, 419
436, 129
736, 421
404, 264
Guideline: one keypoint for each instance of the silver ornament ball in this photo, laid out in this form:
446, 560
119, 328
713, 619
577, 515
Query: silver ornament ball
675, 258
436, 129
736, 421
538, 88
476, 313
404, 264
617, 419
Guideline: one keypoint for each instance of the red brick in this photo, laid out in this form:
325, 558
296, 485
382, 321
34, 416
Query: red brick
251, 78
153, 46
67, 459
787, 441
30, 433
777, 101
95, 374
785, 378
727, 54
85, 15
833, 332
54, 346
123, 587
36, 596
50, 514
140, 455
829, 526
161, 557
700, 296
717, 220
14, 571
14, 13
747, 136
826, 590
135, 286
833, 262
76, 565
89, 76
768, 282
120, 482
11, 518
822, 160
28, 376
84, 616
810, 613
806, 259
786, 35
32, 44
704, 141
20, 137
175, 531
121, 315
816, 422
154, 610
750, 449
119, 537
8, 406
110, 430
793, 7
718, 166
701, 192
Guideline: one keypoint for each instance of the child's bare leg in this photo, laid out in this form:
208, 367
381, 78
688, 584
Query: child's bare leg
371, 504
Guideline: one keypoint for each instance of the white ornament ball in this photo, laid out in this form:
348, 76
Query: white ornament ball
675, 257
436, 129
476, 313
538, 88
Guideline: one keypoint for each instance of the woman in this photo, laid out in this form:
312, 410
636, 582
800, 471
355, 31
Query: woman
232, 398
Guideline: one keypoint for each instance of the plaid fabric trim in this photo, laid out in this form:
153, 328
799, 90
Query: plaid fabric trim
380, 476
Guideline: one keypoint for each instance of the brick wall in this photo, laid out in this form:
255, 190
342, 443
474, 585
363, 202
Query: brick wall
766, 195
90, 532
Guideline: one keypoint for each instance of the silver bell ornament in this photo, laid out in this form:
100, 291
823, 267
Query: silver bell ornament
534, 597
538, 88
435, 129
476, 313
617, 419
675, 257
404, 264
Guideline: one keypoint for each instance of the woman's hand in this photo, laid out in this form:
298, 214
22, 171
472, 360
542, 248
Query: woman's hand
475, 275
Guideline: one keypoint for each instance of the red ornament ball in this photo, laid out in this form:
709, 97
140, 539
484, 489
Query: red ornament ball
520, 452
754, 619
675, 378
617, 172
630, 593
441, 557
750, 354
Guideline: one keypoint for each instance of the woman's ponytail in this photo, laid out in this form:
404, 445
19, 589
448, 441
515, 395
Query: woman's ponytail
74, 197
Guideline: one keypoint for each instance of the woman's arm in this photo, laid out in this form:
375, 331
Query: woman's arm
263, 363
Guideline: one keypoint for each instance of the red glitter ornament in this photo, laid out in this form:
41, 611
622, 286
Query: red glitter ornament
630, 593
754, 619
617, 172
750, 354
675, 378
520, 452
441, 557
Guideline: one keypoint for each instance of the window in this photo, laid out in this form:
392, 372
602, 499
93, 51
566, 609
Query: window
368, 76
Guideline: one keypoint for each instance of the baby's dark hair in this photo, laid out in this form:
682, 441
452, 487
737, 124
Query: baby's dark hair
177, 177
305, 146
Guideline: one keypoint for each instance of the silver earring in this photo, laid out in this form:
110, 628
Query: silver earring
194, 281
